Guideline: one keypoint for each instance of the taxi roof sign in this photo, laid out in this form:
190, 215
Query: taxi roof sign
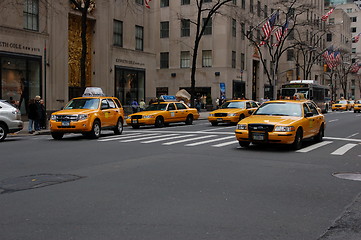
93, 92
168, 98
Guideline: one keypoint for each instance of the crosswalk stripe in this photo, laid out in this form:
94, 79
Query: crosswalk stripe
190, 139
121, 137
168, 138
314, 146
117, 136
342, 150
144, 138
225, 144
208, 141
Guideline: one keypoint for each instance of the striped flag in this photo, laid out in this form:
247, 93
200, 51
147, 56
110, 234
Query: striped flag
355, 67
332, 58
324, 17
356, 38
146, 2
281, 32
268, 26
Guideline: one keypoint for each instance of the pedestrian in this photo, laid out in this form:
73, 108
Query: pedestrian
43, 114
217, 103
135, 106
142, 105
33, 115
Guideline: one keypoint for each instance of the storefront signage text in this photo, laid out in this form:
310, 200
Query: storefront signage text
18, 46
118, 60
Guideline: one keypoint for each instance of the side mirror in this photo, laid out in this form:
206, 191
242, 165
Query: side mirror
309, 114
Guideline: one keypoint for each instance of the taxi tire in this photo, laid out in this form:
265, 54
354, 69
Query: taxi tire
189, 120
159, 122
297, 144
57, 135
119, 127
244, 144
96, 130
3, 132
320, 134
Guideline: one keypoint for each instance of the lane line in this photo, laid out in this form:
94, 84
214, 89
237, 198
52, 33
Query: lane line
225, 144
145, 138
352, 135
343, 139
207, 141
169, 138
186, 140
209, 130
314, 146
116, 136
333, 120
342, 150
123, 137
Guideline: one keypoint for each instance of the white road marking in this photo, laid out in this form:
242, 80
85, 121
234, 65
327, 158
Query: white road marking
352, 135
145, 138
123, 137
208, 141
225, 144
343, 139
209, 130
333, 120
168, 138
190, 139
314, 146
342, 150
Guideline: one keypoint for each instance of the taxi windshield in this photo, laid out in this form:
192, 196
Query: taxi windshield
84, 103
155, 107
280, 109
358, 102
341, 101
233, 105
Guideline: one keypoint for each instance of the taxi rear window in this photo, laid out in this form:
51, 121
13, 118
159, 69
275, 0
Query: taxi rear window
84, 103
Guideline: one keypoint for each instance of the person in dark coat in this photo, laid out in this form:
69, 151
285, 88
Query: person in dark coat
43, 115
32, 115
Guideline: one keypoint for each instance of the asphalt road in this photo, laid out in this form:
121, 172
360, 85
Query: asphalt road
160, 184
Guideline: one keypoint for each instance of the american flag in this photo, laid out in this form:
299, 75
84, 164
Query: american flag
332, 58
356, 38
146, 2
281, 32
324, 17
268, 26
355, 67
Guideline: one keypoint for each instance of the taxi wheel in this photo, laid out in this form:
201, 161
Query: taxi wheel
189, 120
119, 127
159, 122
3, 132
244, 144
297, 144
96, 130
319, 136
57, 136
214, 123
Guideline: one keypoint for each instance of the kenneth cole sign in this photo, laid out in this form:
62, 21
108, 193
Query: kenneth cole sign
118, 60
18, 46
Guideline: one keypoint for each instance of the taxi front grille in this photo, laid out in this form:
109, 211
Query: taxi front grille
137, 117
220, 114
261, 127
64, 118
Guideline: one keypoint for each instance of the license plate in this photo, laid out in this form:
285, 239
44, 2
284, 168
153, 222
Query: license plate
134, 121
219, 119
65, 124
258, 136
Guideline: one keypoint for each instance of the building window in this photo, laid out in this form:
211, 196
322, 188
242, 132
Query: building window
243, 31
353, 29
353, 50
251, 6
31, 15
329, 37
118, 33
243, 4
208, 28
185, 2
354, 19
349, 10
139, 38
258, 8
234, 27
185, 28
164, 29
233, 59
243, 63
331, 21
290, 55
265, 11
185, 59
234, 2
207, 58
140, 2
164, 3
207, 1
164, 60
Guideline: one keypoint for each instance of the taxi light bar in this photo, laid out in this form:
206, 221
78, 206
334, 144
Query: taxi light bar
93, 92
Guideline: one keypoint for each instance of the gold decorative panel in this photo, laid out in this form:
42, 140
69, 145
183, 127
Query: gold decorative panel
74, 45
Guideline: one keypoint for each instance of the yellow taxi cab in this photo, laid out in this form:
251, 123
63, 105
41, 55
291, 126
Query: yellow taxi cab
232, 111
357, 106
351, 104
163, 113
341, 104
282, 121
88, 115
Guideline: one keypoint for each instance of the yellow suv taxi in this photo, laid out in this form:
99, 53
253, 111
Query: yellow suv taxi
88, 115
357, 106
232, 111
282, 121
341, 104
163, 113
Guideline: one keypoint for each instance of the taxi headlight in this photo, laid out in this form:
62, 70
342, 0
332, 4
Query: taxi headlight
82, 117
232, 114
211, 114
53, 117
284, 129
148, 116
241, 126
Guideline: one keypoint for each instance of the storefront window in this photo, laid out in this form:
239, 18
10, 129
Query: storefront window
129, 85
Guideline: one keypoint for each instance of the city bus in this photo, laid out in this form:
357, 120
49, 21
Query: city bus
310, 90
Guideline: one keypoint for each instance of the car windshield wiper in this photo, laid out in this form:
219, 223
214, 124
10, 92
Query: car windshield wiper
279, 114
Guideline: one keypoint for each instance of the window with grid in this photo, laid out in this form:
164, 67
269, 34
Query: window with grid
185, 59
251, 6
258, 8
139, 33
208, 28
207, 1
353, 29
265, 11
185, 28
243, 63
234, 2
234, 27
141, 2
118, 33
354, 19
31, 15
207, 58
243, 29
329, 37
290, 55
164, 29
164, 3
164, 60
233, 59
185, 2
243, 4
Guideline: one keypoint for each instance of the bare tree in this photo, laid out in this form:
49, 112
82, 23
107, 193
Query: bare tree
343, 71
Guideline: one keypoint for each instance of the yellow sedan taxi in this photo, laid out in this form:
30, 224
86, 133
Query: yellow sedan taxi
282, 121
342, 105
88, 115
232, 111
357, 106
163, 113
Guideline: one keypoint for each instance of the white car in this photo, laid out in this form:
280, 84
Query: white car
10, 119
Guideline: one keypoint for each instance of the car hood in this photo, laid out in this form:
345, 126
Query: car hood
74, 111
147, 112
228, 110
273, 120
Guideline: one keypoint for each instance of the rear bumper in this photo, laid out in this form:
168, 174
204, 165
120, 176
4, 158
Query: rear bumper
15, 126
